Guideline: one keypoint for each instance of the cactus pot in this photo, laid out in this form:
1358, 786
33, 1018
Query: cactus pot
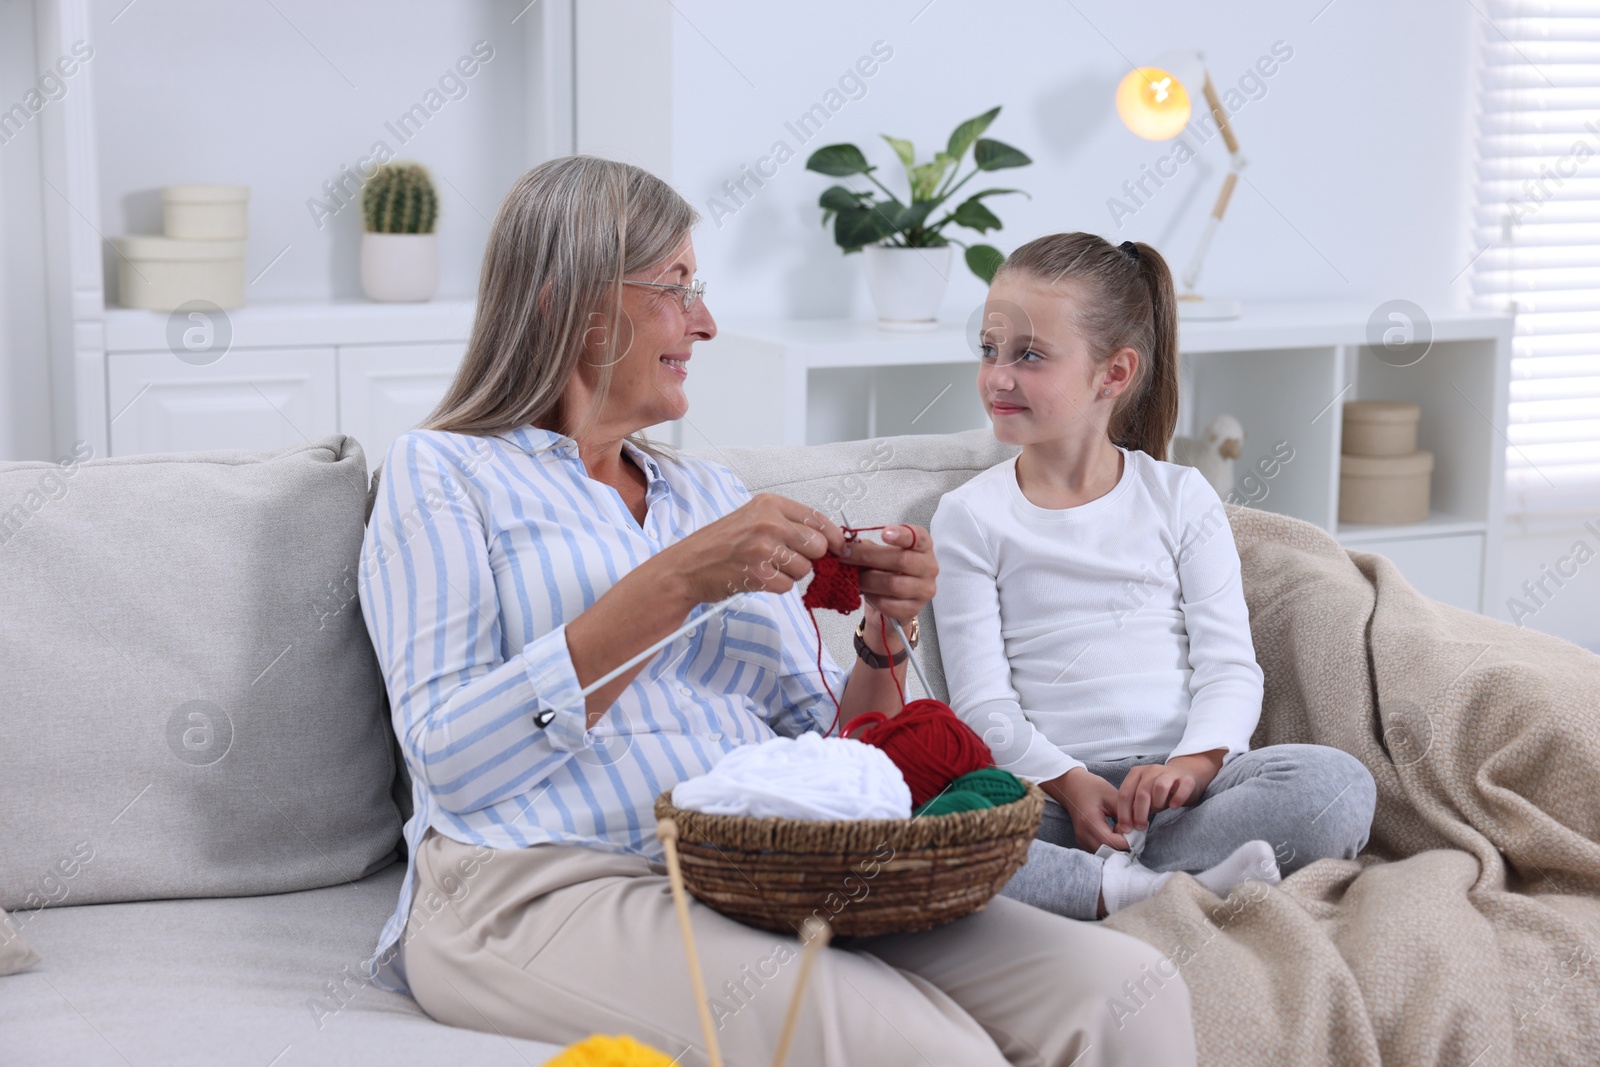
399, 267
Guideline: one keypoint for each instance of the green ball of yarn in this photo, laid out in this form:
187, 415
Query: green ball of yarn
953, 800
996, 786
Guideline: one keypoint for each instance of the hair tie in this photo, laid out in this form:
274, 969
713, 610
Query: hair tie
1130, 249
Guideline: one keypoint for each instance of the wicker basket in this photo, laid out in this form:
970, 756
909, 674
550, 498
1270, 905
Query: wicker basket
865, 876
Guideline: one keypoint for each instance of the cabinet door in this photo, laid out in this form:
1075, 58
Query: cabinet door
385, 390
1447, 569
250, 398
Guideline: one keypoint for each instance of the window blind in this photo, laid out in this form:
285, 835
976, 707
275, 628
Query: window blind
1537, 224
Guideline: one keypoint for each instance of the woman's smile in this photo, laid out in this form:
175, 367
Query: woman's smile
677, 364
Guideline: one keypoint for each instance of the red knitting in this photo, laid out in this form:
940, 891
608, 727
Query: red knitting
929, 744
835, 585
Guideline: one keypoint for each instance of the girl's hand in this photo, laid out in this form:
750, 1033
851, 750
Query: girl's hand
897, 577
1090, 800
1153, 787
766, 545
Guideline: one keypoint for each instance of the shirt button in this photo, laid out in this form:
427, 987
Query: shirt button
715, 737
684, 691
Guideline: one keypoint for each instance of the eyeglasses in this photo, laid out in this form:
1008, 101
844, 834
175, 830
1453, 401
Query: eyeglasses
691, 292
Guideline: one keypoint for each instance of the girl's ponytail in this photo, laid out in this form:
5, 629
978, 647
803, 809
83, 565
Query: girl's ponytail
1125, 299
1147, 420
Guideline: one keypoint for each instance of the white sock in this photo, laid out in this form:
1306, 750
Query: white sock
1125, 881
1251, 861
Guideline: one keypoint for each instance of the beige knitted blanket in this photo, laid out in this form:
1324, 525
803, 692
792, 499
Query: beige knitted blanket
1468, 932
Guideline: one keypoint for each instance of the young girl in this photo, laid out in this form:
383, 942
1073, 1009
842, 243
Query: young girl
1091, 617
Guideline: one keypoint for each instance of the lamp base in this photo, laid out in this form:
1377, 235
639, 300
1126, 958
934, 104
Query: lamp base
1199, 309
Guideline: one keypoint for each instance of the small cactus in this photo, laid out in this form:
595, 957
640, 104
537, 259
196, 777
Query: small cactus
399, 198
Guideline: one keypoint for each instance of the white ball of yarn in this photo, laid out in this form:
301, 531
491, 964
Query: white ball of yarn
805, 777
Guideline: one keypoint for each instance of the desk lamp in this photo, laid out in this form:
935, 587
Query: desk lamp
1154, 103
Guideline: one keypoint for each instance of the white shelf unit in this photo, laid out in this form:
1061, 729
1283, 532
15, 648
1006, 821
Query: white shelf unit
310, 362
292, 372
1284, 369
808, 382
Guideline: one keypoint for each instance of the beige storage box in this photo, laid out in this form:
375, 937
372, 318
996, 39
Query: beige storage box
206, 212
160, 273
1384, 489
1380, 428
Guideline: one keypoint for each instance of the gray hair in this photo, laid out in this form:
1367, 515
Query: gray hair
575, 226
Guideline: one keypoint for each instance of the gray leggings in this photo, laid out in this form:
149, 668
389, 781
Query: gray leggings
1308, 802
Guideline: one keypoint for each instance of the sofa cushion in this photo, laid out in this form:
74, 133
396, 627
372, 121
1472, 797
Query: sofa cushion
15, 953
191, 705
272, 980
875, 482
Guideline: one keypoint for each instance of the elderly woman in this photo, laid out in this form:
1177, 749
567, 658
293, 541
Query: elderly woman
524, 544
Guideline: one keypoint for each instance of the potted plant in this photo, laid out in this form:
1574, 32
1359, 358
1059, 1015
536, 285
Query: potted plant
908, 256
399, 250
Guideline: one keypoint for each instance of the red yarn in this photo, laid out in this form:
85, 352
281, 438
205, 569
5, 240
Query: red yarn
927, 742
835, 585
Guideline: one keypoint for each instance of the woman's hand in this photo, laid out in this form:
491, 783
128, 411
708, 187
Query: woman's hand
1090, 800
766, 545
1153, 787
898, 577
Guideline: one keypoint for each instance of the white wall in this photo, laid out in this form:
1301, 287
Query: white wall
196, 91
622, 65
1359, 148
25, 429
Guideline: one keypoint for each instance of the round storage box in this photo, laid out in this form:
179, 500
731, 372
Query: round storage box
206, 212
160, 273
1384, 488
1380, 428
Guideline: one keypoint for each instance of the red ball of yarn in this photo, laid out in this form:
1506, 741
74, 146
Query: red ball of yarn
834, 585
927, 742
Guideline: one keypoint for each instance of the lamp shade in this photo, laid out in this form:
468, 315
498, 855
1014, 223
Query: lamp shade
1154, 101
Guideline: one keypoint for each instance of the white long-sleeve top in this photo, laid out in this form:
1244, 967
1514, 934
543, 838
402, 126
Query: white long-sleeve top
1112, 629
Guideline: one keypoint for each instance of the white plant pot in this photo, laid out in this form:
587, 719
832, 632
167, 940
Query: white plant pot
907, 285
399, 267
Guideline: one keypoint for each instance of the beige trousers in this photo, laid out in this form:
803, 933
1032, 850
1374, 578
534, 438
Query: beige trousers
557, 942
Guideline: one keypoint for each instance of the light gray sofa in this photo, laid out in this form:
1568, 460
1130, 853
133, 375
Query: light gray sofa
202, 804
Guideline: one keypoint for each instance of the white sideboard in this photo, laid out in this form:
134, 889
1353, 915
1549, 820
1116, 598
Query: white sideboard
290, 373
1284, 369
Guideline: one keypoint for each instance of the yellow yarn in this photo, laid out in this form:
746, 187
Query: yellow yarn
602, 1050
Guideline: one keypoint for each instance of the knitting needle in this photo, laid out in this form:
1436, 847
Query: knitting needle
817, 933
667, 831
663, 643
911, 655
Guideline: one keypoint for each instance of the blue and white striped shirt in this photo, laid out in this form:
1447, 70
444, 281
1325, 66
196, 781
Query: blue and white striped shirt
478, 553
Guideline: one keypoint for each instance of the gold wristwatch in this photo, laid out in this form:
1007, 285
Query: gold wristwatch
875, 661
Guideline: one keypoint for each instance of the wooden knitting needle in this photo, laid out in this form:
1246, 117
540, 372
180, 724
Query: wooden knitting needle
667, 831
817, 933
